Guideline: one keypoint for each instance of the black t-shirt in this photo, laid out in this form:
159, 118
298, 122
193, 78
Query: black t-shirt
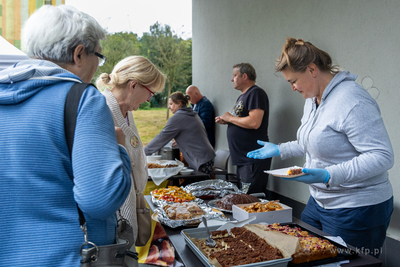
241, 140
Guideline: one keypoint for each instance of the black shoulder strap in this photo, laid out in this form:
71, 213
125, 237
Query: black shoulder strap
70, 114
71, 111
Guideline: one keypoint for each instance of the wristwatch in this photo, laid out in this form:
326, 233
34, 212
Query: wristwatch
328, 186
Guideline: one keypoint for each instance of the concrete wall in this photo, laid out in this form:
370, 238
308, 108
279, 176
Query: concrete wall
362, 36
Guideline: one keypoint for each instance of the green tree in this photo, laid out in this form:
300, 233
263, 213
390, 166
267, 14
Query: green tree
116, 47
171, 54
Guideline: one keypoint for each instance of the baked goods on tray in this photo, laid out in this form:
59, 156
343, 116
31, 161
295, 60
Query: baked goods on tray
157, 166
262, 207
241, 247
172, 194
313, 248
183, 211
275, 241
232, 199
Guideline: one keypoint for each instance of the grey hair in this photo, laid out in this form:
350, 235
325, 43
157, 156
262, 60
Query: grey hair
53, 33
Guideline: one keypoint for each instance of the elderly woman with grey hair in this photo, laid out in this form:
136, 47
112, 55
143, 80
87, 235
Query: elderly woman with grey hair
39, 225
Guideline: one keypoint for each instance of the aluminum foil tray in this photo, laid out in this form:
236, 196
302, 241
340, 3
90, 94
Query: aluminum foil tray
160, 202
202, 233
215, 187
209, 214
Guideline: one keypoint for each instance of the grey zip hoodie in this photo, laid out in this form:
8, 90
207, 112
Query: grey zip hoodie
346, 136
186, 127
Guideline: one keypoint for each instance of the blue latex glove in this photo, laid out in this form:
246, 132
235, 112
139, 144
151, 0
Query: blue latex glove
268, 151
312, 176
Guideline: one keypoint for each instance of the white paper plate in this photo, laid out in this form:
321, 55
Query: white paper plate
283, 172
159, 175
186, 171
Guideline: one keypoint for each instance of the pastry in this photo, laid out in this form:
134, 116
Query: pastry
183, 211
232, 199
294, 171
241, 247
313, 248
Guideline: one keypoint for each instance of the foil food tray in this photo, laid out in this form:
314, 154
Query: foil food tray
215, 187
209, 214
202, 233
161, 202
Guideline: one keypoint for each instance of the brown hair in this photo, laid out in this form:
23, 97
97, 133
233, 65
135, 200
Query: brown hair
297, 55
248, 69
180, 99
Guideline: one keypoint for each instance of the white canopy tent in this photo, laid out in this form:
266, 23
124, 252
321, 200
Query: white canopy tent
9, 54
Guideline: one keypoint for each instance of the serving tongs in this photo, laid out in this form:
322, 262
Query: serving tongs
209, 241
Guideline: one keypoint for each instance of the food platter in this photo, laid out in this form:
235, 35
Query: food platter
213, 204
344, 253
211, 188
283, 172
159, 175
171, 195
207, 212
189, 234
154, 216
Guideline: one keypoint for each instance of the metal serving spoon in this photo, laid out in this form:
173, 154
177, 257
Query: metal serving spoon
209, 241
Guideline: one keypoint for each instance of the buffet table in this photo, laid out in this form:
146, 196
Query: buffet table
189, 259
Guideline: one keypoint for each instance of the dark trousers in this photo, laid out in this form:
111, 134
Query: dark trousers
362, 227
255, 175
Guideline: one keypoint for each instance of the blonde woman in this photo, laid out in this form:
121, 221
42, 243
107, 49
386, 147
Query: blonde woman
133, 81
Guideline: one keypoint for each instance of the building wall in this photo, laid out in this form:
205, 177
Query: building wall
13, 14
362, 36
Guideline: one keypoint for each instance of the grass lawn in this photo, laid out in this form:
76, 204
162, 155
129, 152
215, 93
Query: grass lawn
150, 123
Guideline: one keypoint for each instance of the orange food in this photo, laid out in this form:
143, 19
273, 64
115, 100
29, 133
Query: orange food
173, 194
294, 171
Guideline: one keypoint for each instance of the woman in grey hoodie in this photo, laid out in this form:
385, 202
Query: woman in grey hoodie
346, 146
189, 133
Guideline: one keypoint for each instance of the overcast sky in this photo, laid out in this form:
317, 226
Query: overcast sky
138, 15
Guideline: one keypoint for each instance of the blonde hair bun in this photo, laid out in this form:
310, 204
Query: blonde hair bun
105, 77
133, 68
